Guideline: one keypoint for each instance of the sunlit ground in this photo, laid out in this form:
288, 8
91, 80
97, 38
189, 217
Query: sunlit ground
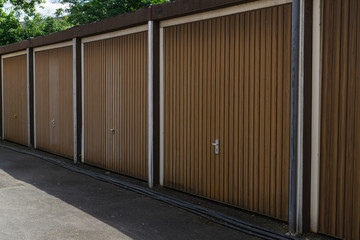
38, 215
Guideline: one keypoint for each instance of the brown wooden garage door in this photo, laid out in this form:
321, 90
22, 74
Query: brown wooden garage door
115, 104
54, 101
228, 79
15, 99
340, 120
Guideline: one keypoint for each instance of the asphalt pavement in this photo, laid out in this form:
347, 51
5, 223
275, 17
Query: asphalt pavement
40, 200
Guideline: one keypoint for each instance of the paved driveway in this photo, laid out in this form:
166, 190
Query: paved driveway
40, 200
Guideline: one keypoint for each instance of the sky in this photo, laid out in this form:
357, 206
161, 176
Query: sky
49, 7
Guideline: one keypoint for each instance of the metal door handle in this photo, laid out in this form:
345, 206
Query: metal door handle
112, 130
216, 145
53, 123
14, 116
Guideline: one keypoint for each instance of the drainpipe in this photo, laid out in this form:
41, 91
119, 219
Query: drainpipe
150, 105
294, 116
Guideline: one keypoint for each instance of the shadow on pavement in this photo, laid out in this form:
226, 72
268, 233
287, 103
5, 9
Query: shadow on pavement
134, 215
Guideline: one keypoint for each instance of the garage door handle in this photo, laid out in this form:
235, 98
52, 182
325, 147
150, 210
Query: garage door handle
14, 116
216, 145
112, 130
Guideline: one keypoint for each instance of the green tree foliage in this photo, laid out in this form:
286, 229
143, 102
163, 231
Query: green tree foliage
79, 12
10, 26
12, 30
39, 25
85, 11
27, 6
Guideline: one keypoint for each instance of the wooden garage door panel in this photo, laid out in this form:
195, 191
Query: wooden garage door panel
229, 79
54, 82
339, 208
127, 61
115, 88
42, 100
15, 99
94, 103
65, 115
54, 101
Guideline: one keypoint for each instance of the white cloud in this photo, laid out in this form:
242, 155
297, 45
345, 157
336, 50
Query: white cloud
50, 7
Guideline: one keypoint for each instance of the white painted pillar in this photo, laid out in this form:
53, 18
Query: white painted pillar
316, 117
74, 100
150, 103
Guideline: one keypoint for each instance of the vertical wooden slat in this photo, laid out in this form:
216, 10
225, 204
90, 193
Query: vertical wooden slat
286, 110
245, 170
203, 162
198, 96
241, 115
328, 119
176, 110
210, 113
356, 188
132, 116
262, 112
225, 107
334, 123
355, 234
203, 159
144, 81
172, 106
115, 92
342, 119
213, 99
251, 108
237, 95
66, 125
189, 105
182, 105
116, 72
167, 107
139, 165
279, 136
125, 83
349, 179
94, 102
231, 195
324, 132
221, 81
273, 123
200, 91
257, 111
42, 99
218, 95
194, 109
140, 107
267, 111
